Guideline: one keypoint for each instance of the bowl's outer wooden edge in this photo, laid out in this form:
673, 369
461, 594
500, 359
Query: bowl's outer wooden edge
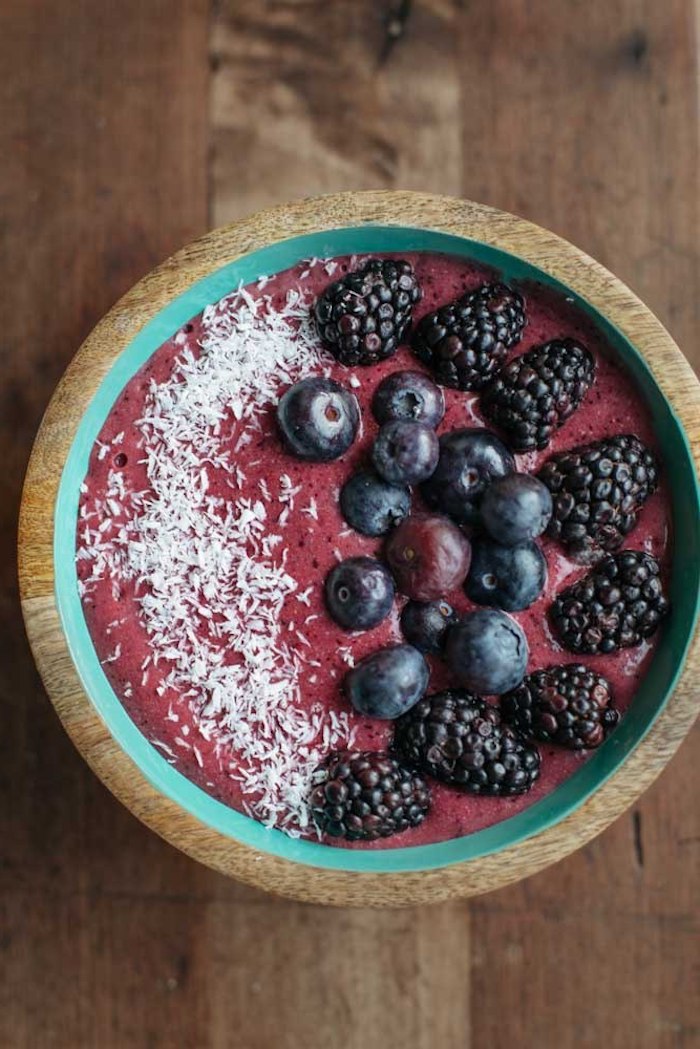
554, 255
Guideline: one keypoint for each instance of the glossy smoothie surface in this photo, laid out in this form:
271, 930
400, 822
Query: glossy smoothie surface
315, 537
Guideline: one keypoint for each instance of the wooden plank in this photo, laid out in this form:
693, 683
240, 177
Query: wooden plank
304, 103
164, 971
595, 135
111, 937
103, 138
568, 980
348, 979
582, 117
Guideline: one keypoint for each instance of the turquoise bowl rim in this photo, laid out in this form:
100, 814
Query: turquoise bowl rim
656, 687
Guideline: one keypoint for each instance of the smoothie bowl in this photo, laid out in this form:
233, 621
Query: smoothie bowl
360, 549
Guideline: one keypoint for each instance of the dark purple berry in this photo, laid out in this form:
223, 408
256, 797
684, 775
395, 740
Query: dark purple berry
371, 505
470, 459
487, 652
410, 396
318, 418
359, 593
425, 624
515, 509
507, 577
428, 556
387, 683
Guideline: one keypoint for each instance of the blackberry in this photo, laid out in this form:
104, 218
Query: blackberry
597, 491
569, 705
466, 341
535, 393
363, 317
618, 604
460, 739
362, 795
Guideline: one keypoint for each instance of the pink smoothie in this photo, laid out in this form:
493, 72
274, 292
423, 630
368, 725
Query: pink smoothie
128, 631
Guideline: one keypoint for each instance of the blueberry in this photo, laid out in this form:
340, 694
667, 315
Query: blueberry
428, 556
387, 683
487, 652
425, 624
409, 396
371, 505
359, 593
405, 452
470, 460
507, 577
516, 508
318, 418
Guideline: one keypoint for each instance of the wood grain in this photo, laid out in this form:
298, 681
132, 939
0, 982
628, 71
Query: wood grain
108, 936
301, 87
103, 148
600, 143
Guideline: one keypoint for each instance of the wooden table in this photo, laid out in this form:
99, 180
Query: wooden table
125, 130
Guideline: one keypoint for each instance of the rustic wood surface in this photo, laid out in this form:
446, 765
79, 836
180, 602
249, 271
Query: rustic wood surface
584, 120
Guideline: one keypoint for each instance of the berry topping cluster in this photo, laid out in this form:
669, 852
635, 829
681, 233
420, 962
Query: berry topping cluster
453, 512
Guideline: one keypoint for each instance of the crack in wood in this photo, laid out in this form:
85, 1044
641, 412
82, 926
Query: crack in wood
395, 25
637, 837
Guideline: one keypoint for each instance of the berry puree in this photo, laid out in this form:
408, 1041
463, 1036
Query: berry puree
203, 546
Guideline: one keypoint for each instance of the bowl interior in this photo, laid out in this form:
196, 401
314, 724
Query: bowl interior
650, 698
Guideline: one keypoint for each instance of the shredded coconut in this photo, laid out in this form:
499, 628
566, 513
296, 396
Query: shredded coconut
311, 509
209, 585
346, 655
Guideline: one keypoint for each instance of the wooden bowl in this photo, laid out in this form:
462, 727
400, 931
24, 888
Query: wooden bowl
44, 545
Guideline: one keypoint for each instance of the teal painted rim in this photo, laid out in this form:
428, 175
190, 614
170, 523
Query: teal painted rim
654, 691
